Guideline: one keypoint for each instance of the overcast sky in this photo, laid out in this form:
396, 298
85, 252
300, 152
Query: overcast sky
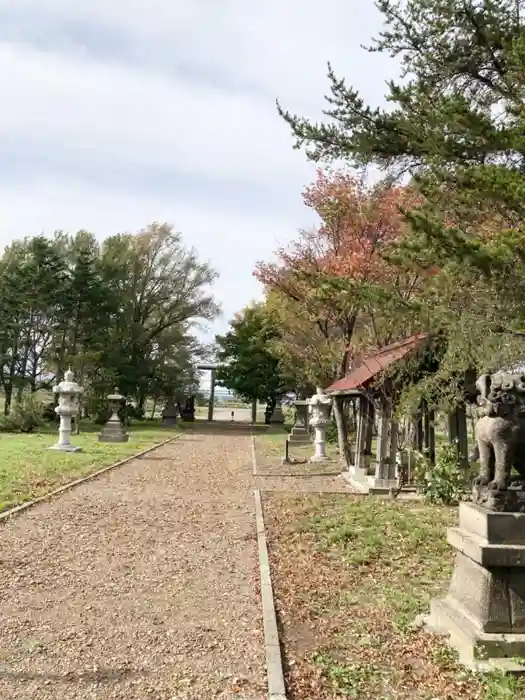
117, 113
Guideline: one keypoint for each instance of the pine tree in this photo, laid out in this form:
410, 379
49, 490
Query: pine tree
455, 125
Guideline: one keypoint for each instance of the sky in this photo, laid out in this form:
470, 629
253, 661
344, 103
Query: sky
117, 114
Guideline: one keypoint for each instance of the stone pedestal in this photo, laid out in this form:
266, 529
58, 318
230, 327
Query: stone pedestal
299, 434
114, 430
188, 410
277, 417
484, 610
169, 414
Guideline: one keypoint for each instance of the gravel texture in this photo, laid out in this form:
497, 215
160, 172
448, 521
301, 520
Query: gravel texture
139, 584
304, 484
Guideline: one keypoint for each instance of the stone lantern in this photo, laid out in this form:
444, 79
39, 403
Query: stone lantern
68, 406
277, 417
319, 406
170, 413
114, 430
299, 434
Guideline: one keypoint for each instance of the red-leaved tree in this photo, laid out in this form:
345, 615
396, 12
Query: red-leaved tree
342, 274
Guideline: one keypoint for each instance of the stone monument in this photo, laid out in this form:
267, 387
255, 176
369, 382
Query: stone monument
484, 610
319, 407
188, 410
114, 430
68, 406
170, 413
299, 434
277, 417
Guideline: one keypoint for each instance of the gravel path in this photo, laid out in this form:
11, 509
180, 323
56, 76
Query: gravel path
139, 584
304, 484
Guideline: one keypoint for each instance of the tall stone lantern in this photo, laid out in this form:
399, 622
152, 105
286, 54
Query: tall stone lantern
319, 406
114, 430
68, 406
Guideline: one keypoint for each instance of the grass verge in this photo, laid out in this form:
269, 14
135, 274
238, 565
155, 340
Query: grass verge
349, 576
269, 450
28, 470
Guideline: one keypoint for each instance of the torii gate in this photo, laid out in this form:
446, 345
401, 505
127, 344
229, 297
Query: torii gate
211, 400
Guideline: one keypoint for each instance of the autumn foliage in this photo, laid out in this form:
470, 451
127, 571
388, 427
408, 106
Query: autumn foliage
357, 225
333, 270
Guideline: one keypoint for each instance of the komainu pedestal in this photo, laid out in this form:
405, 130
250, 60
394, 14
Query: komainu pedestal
484, 611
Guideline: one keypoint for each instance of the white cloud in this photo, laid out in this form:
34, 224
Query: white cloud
118, 113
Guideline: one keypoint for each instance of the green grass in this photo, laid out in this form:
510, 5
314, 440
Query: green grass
29, 470
359, 572
270, 444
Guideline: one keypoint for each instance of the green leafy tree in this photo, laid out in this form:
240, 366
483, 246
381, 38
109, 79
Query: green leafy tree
248, 367
160, 285
121, 313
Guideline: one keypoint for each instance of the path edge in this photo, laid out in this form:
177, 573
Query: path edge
274, 663
5, 515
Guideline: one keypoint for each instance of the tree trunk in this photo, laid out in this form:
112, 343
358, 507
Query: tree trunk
270, 406
8, 395
140, 404
154, 408
345, 454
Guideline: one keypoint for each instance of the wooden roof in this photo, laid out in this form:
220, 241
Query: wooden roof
369, 367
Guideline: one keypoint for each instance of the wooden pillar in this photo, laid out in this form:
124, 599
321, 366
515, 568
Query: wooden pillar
359, 457
419, 428
462, 436
457, 433
391, 472
452, 427
211, 401
429, 434
382, 440
370, 417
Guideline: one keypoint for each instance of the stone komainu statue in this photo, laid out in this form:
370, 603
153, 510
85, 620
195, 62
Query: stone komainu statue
500, 431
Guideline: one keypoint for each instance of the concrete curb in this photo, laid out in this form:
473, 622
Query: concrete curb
46, 497
274, 664
254, 458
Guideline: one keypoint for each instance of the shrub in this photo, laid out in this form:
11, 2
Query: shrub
331, 432
48, 412
26, 415
444, 483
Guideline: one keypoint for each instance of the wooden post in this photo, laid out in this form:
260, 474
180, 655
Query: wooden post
462, 439
452, 427
457, 434
391, 475
370, 418
359, 461
211, 401
430, 435
382, 440
419, 428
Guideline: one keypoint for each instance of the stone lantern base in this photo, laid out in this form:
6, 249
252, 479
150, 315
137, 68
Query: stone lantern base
113, 431
483, 613
277, 417
299, 434
169, 415
65, 448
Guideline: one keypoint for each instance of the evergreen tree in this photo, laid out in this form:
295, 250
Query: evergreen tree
455, 125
